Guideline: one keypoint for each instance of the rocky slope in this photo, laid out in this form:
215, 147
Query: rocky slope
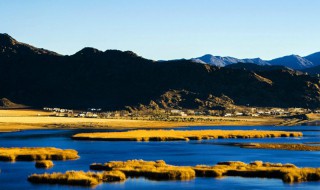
114, 79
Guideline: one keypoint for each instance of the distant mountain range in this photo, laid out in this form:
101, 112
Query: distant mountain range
292, 61
114, 79
224, 61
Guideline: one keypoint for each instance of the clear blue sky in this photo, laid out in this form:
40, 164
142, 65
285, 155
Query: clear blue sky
167, 29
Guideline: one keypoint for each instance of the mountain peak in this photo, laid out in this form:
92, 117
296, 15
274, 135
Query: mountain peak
207, 55
292, 61
131, 53
295, 55
121, 53
88, 51
7, 40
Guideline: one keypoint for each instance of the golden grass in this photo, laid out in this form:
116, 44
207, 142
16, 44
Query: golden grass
298, 147
78, 178
15, 120
12, 127
159, 170
23, 113
289, 173
44, 164
37, 153
113, 176
175, 135
313, 116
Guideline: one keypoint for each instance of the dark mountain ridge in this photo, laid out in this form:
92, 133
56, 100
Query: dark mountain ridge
115, 79
312, 71
254, 67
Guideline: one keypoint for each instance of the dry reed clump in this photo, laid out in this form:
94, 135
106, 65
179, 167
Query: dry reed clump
297, 147
78, 178
157, 170
289, 173
44, 164
174, 135
37, 153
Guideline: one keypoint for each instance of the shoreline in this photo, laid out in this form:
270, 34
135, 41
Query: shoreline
28, 123
19, 120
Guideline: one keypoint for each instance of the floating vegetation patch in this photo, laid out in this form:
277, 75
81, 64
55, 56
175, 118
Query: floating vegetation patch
175, 135
37, 153
159, 170
279, 146
79, 178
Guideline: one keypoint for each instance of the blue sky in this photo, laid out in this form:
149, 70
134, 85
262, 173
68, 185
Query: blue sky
167, 29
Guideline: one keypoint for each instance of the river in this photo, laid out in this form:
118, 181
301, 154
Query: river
14, 175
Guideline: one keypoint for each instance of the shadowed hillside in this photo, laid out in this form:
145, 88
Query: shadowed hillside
114, 79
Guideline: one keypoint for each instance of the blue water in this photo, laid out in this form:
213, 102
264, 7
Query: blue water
14, 175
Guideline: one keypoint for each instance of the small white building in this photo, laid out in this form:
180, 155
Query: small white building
183, 114
239, 114
175, 111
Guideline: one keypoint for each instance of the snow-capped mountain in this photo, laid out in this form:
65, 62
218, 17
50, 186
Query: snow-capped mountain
224, 61
292, 61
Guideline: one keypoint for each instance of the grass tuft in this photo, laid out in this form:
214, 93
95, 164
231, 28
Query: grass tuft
44, 164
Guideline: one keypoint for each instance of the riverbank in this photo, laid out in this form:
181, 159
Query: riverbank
17, 120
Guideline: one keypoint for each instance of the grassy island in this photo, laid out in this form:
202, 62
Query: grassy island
175, 135
155, 170
116, 171
280, 146
78, 178
289, 173
36, 153
159, 170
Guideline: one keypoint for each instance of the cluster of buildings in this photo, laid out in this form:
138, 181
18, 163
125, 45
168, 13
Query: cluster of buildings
234, 112
253, 112
178, 113
62, 112
87, 114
